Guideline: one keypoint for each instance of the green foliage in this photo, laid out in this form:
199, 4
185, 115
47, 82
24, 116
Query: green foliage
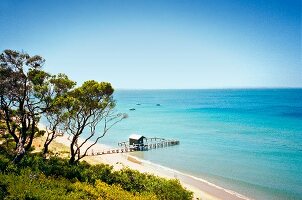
102, 190
4, 161
32, 185
132, 180
62, 84
86, 106
26, 93
2, 125
38, 76
59, 167
24, 88
81, 181
91, 96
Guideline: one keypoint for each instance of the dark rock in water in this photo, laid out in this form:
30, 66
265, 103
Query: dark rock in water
132, 109
158, 104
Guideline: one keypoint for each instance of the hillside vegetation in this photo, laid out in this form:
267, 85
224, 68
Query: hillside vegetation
38, 178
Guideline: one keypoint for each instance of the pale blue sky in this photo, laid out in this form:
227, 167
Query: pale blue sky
161, 44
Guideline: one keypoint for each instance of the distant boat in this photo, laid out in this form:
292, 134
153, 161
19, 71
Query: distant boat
132, 109
158, 104
138, 104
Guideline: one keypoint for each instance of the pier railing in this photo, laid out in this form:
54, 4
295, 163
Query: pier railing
149, 143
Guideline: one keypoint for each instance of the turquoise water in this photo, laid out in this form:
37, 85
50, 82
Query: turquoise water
246, 140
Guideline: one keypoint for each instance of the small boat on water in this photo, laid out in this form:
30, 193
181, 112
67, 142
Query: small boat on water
158, 104
132, 109
138, 104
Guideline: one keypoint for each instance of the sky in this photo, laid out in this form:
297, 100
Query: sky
167, 44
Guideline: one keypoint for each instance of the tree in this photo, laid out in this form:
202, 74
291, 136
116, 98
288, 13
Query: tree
23, 96
57, 113
27, 92
87, 106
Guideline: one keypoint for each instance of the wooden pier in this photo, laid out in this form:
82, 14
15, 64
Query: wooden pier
150, 143
147, 144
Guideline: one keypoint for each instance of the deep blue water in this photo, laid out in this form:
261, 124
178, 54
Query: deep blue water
246, 140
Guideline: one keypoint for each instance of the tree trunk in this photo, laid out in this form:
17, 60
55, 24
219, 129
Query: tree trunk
20, 152
72, 152
31, 136
46, 145
49, 139
72, 160
45, 149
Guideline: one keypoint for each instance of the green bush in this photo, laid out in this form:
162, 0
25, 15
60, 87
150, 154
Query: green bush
101, 190
4, 162
58, 167
134, 181
32, 185
36, 175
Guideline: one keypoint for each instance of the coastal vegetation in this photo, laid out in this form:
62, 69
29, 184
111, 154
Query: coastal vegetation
35, 177
28, 93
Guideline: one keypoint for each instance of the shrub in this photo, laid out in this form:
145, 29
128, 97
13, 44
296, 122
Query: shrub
134, 181
100, 181
32, 185
102, 190
4, 161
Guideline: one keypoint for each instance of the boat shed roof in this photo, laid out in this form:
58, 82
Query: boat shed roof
136, 136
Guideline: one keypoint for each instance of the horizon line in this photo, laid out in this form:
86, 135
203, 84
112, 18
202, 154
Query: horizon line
210, 88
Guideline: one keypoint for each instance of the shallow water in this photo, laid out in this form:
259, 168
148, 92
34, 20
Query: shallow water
247, 140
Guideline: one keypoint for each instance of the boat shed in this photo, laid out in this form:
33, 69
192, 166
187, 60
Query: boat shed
136, 139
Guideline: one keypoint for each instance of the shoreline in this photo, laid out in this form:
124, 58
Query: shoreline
201, 188
201, 184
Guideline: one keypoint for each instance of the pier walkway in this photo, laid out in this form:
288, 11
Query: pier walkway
148, 144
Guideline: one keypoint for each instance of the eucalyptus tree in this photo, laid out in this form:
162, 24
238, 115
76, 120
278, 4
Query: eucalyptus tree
90, 115
23, 96
27, 92
56, 114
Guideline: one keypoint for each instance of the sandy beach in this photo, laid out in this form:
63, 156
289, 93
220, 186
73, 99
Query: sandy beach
202, 189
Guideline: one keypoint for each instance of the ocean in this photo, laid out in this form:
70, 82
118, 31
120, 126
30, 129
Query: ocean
245, 140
